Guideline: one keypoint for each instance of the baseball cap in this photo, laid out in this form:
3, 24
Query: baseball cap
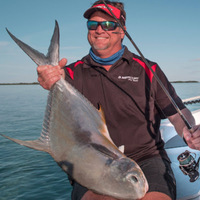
103, 8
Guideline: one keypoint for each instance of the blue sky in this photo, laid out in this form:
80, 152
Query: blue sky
166, 31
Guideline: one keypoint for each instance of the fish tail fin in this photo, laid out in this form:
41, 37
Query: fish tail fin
53, 51
39, 144
52, 56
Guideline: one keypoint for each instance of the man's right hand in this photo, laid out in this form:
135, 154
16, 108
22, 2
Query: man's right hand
48, 75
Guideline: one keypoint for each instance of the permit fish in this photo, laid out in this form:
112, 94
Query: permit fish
75, 134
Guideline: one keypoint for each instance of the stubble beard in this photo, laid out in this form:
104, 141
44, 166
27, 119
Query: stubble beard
97, 47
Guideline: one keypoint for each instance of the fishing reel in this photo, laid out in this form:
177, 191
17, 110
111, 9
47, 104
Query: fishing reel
188, 165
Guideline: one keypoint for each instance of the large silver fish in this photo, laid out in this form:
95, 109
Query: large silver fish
75, 134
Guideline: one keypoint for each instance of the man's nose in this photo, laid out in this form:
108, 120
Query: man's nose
99, 29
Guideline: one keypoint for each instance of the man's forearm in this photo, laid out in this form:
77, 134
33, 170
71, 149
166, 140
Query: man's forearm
178, 122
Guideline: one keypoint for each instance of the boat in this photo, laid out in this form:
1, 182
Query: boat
175, 146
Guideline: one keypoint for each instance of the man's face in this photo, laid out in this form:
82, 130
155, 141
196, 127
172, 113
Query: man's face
104, 43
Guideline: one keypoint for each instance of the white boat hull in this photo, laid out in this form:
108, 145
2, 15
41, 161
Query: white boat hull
174, 146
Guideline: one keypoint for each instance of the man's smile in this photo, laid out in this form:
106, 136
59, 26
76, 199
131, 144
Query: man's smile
100, 38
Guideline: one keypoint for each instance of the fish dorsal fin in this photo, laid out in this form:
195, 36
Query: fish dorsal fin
104, 130
102, 114
39, 58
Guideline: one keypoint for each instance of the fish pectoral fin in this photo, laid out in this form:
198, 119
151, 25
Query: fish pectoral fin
103, 150
33, 144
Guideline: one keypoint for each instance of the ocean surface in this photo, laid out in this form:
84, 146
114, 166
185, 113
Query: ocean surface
26, 174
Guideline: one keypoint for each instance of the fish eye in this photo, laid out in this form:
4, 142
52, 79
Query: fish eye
132, 178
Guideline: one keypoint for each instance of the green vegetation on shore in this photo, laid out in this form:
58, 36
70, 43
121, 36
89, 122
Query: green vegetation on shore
184, 81
34, 83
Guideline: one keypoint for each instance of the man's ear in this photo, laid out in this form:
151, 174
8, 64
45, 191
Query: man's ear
122, 33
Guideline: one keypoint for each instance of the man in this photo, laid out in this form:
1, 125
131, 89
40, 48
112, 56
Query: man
131, 98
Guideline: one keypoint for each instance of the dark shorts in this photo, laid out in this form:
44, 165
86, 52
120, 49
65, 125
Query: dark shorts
158, 173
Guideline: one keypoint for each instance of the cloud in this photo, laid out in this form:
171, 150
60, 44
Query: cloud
196, 60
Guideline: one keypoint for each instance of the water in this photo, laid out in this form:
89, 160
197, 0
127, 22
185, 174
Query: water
26, 173
188, 90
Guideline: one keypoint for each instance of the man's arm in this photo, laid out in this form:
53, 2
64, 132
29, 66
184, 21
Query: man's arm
178, 123
192, 136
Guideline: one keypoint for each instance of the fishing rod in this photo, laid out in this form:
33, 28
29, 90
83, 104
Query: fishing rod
149, 67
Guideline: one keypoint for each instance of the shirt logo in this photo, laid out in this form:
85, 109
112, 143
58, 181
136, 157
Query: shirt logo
129, 78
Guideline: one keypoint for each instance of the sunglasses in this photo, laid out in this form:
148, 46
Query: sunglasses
105, 25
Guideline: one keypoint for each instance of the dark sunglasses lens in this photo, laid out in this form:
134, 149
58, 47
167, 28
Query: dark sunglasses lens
108, 26
92, 25
105, 25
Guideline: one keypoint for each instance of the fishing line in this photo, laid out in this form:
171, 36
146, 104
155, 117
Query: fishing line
149, 67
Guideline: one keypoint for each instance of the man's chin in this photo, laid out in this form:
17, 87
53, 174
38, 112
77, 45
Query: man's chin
100, 47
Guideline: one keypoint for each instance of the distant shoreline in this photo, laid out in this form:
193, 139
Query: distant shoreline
184, 81
36, 83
